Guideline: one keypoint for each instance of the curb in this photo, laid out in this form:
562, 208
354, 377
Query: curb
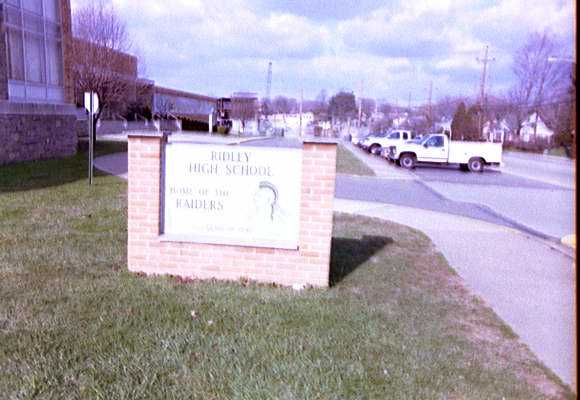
552, 242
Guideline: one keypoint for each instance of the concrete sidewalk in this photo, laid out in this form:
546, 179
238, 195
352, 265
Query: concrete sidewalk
526, 281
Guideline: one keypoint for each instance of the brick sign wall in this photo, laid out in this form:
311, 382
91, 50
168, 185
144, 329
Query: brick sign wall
152, 252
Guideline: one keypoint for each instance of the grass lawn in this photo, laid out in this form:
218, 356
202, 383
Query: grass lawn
347, 163
558, 151
74, 324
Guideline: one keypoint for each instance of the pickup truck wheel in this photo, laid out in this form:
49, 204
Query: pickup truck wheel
408, 161
374, 148
475, 165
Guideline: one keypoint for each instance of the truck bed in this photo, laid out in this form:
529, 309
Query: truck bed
461, 151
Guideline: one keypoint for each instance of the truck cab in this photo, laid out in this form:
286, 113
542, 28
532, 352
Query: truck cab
375, 142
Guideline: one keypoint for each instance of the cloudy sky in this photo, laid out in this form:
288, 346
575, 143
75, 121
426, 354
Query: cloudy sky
389, 48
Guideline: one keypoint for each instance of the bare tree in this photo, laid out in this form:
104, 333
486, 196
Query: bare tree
368, 106
101, 62
446, 107
244, 109
320, 104
342, 106
385, 107
266, 106
538, 81
284, 105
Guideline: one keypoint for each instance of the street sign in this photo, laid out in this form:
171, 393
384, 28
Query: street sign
91, 106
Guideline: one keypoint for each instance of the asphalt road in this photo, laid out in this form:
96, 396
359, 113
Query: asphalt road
532, 193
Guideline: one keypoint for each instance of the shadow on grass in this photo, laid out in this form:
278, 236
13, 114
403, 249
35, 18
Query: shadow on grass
348, 254
34, 175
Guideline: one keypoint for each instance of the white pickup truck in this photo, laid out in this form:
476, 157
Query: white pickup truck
438, 149
375, 142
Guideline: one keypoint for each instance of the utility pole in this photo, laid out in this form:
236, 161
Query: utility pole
430, 106
482, 98
301, 101
360, 105
269, 80
268, 87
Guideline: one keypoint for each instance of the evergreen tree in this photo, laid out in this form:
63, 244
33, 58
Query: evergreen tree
459, 121
474, 114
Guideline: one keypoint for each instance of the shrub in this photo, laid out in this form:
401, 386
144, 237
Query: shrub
223, 129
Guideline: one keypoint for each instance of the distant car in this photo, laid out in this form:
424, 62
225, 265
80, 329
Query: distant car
375, 143
359, 141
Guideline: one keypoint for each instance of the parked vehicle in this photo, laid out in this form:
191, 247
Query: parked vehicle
375, 142
438, 149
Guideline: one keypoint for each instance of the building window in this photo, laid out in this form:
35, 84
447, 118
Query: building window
33, 5
15, 54
54, 62
35, 62
52, 10
35, 56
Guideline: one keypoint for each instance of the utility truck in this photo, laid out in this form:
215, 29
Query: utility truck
375, 142
438, 149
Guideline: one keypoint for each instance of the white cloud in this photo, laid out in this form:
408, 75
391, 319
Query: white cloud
219, 47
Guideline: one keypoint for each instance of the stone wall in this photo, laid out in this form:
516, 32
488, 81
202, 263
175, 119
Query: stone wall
150, 254
36, 131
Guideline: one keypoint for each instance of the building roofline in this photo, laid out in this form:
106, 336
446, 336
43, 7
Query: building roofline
181, 93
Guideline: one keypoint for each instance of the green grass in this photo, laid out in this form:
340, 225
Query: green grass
558, 151
347, 163
74, 324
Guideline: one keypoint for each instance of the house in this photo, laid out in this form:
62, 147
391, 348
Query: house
496, 130
290, 123
534, 128
443, 125
38, 118
400, 120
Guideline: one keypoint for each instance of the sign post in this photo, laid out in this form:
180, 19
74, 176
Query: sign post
92, 106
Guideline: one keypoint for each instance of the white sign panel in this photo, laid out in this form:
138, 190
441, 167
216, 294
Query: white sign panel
95, 103
232, 195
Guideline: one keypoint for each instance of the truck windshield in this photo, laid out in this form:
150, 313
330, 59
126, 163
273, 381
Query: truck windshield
425, 138
393, 135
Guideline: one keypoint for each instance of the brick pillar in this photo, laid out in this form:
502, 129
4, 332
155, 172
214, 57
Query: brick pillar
316, 210
143, 194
